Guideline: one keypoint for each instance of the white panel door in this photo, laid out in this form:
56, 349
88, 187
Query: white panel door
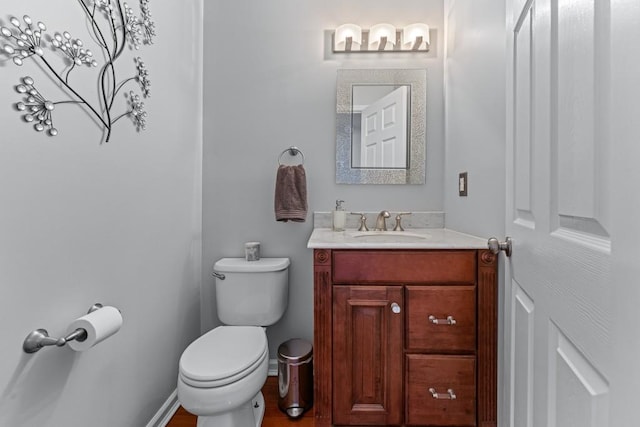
560, 292
384, 131
625, 132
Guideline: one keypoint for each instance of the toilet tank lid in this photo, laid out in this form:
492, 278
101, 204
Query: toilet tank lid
230, 265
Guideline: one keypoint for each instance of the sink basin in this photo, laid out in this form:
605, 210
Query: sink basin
389, 236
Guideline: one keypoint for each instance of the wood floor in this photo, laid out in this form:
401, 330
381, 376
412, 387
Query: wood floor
273, 417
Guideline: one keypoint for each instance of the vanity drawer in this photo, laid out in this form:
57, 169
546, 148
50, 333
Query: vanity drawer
441, 318
432, 382
396, 266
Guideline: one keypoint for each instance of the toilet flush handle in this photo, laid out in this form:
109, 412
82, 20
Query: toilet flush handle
218, 275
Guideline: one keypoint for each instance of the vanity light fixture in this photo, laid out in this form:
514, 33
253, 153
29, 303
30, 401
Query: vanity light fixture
380, 38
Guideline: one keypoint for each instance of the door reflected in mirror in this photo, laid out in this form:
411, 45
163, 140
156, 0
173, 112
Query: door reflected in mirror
380, 126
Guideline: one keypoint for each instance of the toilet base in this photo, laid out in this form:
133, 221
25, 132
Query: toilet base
248, 415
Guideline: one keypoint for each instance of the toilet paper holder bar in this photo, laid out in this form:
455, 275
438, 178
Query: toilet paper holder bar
40, 337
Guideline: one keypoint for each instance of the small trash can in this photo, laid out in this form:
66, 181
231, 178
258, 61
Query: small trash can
295, 377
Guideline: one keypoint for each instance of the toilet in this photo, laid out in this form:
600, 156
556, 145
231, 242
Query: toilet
222, 372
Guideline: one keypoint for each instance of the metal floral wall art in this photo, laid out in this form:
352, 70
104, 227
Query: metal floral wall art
113, 26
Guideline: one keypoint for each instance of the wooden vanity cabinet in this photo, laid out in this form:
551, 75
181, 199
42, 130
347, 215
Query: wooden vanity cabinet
405, 337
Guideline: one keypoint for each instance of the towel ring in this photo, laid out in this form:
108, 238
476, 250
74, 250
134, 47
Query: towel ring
293, 151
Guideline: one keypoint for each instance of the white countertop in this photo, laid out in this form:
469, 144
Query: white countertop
414, 238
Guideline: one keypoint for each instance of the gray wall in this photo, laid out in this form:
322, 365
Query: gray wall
116, 223
475, 115
475, 99
270, 83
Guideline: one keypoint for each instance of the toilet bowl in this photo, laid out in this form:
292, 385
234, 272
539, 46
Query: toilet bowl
221, 374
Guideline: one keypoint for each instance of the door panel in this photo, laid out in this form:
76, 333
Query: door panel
580, 393
384, 136
579, 130
558, 213
522, 121
522, 357
367, 355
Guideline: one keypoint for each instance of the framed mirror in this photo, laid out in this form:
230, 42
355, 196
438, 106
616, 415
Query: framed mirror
381, 126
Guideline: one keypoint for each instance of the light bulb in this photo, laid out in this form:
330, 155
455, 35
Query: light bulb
347, 37
415, 37
382, 37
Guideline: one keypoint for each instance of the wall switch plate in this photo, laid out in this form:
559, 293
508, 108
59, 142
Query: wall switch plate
462, 184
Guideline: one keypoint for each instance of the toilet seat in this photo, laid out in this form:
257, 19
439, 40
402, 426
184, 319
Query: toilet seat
223, 356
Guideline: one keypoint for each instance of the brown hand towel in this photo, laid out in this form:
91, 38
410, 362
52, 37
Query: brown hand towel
291, 194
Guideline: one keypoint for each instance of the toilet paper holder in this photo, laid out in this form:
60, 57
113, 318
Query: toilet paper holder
40, 337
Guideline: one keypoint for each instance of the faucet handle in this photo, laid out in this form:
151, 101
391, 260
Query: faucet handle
363, 221
398, 226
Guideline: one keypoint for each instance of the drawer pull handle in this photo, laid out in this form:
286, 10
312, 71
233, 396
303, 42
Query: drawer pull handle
449, 395
448, 321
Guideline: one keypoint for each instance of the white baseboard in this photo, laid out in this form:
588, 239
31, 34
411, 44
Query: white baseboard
273, 367
166, 411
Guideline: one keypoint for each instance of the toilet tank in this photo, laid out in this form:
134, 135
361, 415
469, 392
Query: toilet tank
252, 293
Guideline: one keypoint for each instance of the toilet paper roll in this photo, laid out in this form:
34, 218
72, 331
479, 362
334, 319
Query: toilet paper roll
99, 324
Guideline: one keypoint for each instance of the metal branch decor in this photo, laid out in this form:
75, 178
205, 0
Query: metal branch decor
113, 26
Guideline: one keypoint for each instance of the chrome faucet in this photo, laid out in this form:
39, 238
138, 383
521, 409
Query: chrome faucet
381, 223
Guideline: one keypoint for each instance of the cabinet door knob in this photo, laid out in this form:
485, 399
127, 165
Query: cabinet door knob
395, 307
449, 395
448, 321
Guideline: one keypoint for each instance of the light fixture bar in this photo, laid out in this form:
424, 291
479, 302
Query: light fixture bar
381, 38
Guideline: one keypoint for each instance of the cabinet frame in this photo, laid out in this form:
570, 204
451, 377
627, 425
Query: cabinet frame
486, 321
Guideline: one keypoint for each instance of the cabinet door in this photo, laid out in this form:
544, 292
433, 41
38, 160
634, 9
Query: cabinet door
367, 355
